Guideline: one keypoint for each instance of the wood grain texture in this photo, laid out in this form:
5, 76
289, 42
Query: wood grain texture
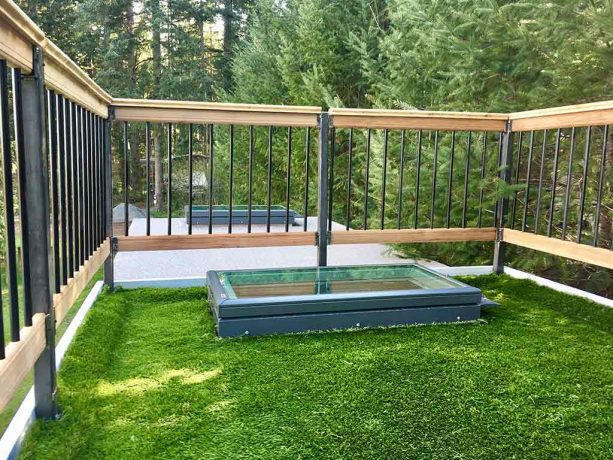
592, 114
568, 249
196, 105
71, 291
21, 357
234, 240
14, 47
566, 109
219, 116
417, 119
420, 235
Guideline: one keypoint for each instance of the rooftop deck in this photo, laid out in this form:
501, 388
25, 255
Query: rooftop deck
147, 376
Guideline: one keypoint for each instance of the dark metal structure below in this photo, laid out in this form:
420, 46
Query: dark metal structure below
240, 215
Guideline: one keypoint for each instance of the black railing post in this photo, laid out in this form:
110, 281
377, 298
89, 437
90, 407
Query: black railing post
322, 191
38, 217
108, 199
506, 166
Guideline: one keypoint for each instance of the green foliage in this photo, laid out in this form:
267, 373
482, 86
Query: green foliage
146, 378
466, 55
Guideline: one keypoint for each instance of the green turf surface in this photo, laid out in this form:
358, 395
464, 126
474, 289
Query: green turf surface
146, 378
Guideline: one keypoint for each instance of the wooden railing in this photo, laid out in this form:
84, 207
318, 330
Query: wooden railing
60, 120
362, 176
444, 217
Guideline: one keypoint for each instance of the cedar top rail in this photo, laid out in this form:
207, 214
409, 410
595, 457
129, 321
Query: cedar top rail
579, 115
18, 34
417, 119
141, 110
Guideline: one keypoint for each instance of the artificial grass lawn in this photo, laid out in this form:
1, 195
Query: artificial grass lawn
147, 378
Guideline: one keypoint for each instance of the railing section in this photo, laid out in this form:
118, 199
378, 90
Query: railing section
55, 173
560, 182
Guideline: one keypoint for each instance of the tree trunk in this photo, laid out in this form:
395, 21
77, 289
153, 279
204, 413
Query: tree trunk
156, 53
134, 140
203, 63
228, 43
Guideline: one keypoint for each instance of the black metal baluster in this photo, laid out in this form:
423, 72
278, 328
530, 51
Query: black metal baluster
466, 173
169, 190
100, 182
55, 223
331, 180
86, 181
269, 179
498, 169
586, 161
21, 177
92, 218
95, 185
555, 182
76, 185
92, 178
401, 177
230, 198
349, 173
528, 179
62, 184
368, 138
9, 206
481, 192
541, 177
126, 173
434, 173
211, 164
69, 186
101, 192
250, 198
603, 166
569, 178
289, 174
450, 182
384, 178
84, 193
419, 146
306, 174
148, 161
190, 173
516, 180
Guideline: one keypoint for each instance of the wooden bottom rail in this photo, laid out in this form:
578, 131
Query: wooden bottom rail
419, 235
234, 240
20, 358
570, 250
71, 291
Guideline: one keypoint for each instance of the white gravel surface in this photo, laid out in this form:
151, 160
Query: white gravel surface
195, 263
